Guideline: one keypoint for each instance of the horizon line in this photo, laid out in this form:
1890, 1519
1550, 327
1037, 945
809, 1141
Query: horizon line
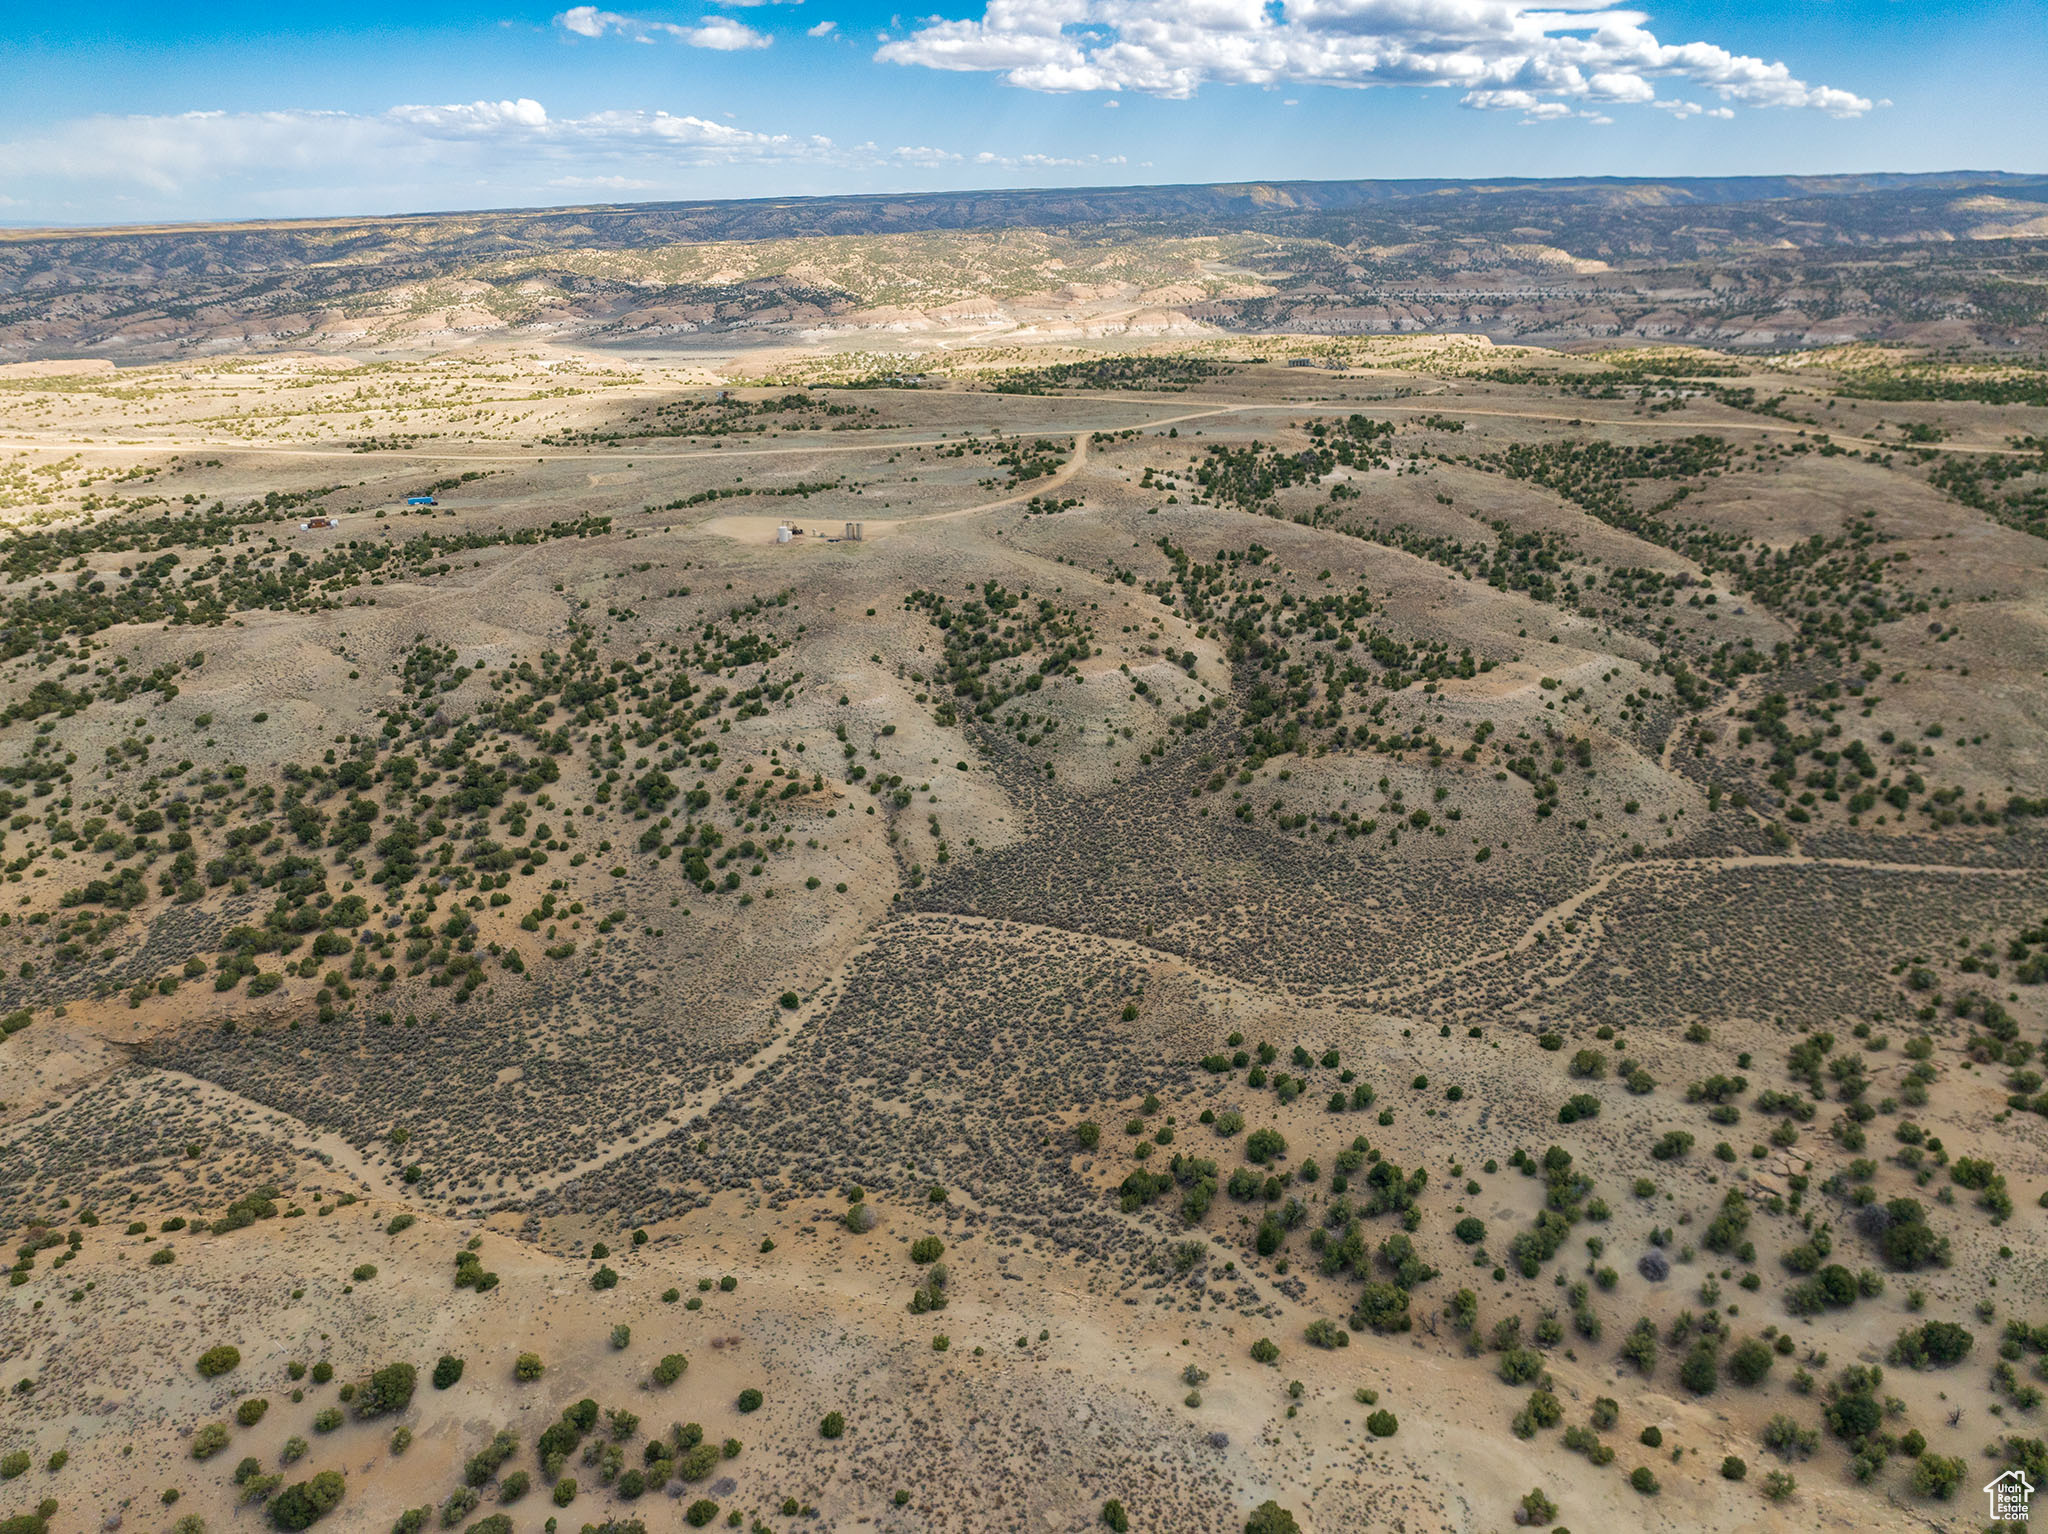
13, 231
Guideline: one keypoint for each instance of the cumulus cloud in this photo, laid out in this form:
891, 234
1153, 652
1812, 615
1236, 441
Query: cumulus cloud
1501, 54
720, 33
725, 35
822, 29
589, 21
476, 117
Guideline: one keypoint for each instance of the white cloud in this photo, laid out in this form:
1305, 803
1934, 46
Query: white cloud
474, 118
1047, 161
602, 183
1500, 101
1619, 85
725, 35
179, 154
589, 21
822, 29
1502, 54
720, 33
462, 154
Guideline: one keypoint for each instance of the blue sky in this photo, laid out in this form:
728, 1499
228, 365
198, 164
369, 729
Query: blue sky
122, 113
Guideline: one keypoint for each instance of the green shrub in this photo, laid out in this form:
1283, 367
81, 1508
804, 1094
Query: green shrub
303, 1502
389, 1389
447, 1371
1644, 1481
1327, 1334
749, 1400
1115, 1517
1938, 1476
701, 1512
1265, 1351
927, 1249
251, 1411
1382, 1307
1262, 1145
1518, 1365
206, 1443
217, 1361
565, 1491
1674, 1146
1934, 1344
1734, 1468
487, 1461
670, 1369
1581, 1105
1701, 1371
1750, 1362
1382, 1424
528, 1368
1271, 1518
833, 1426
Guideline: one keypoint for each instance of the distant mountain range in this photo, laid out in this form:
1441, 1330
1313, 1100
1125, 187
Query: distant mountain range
1954, 258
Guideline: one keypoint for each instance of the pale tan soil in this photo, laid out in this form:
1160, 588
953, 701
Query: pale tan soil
956, 1019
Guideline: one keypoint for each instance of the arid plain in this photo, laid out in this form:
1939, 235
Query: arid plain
1446, 935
